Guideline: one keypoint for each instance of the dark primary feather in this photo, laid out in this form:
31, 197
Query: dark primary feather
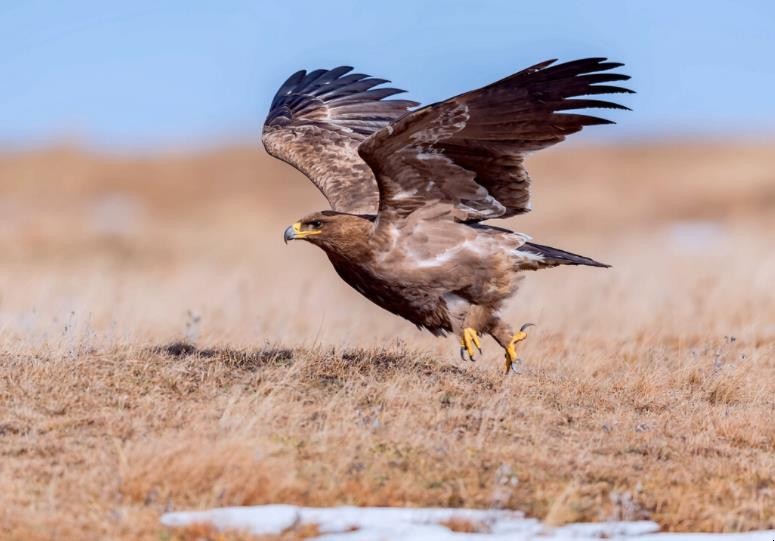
467, 152
554, 256
330, 97
316, 122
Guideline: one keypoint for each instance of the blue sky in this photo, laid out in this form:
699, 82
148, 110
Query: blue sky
147, 75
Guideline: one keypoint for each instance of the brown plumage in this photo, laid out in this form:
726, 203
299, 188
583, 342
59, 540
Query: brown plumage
409, 188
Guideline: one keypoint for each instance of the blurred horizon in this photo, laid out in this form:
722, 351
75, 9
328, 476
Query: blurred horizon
182, 76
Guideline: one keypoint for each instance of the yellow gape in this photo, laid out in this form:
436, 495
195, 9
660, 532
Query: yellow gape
298, 233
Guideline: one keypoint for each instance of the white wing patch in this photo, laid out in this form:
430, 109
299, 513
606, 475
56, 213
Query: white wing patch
437, 260
406, 194
530, 256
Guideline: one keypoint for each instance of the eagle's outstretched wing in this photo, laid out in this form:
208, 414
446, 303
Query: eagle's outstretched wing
316, 122
465, 155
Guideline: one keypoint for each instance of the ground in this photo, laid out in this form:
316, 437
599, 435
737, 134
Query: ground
160, 349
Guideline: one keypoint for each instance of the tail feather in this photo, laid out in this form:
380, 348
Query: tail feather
539, 256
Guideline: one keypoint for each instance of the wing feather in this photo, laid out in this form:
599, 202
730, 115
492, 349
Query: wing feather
467, 153
316, 122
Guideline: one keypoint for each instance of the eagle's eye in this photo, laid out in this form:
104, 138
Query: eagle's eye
314, 224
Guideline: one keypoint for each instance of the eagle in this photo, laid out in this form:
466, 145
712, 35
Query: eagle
410, 187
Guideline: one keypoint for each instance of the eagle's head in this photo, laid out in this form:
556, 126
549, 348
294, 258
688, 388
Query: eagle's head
333, 231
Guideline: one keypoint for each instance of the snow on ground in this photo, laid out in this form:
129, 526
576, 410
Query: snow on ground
386, 524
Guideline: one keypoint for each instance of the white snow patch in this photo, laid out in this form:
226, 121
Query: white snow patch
405, 524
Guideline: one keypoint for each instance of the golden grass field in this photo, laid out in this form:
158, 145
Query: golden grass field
647, 391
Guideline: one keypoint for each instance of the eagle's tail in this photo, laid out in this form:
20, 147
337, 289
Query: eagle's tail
537, 256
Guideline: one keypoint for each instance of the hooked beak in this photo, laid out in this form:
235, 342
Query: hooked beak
295, 232
289, 234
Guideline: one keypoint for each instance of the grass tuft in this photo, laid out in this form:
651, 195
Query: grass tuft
161, 349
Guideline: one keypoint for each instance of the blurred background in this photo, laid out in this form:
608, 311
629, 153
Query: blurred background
136, 203
152, 75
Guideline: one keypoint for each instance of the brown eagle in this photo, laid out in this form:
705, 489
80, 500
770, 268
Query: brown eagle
409, 188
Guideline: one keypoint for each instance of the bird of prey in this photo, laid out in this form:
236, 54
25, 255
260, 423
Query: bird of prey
409, 187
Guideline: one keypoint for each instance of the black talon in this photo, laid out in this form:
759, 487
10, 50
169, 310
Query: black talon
463, 352
515, 366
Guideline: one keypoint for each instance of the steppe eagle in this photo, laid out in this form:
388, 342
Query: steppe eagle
409, 187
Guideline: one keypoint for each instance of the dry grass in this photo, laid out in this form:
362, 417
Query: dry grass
458, 524
206, 532
648, 390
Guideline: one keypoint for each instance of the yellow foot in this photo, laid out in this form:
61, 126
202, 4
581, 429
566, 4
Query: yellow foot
511, 349
468, 341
